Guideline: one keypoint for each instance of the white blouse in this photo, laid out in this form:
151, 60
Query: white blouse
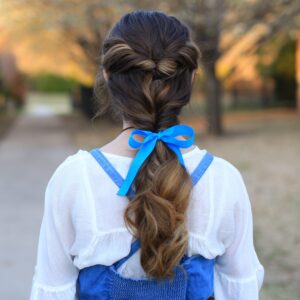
83, 226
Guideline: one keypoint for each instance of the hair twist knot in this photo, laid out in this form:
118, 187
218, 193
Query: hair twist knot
167, 66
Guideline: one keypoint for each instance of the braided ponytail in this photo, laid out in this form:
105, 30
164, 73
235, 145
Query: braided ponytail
150, 59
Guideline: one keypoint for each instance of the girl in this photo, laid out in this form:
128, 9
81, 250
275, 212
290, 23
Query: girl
131, 219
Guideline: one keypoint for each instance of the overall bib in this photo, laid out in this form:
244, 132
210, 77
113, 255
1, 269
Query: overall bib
193, 279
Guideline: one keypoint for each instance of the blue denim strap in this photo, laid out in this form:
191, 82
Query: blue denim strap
108, 168
135, 246
202, 167
118, 179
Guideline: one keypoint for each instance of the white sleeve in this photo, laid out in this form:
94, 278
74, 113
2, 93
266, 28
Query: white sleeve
238, 272
55, 275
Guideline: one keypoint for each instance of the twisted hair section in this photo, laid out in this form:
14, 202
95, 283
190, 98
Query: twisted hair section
150, 57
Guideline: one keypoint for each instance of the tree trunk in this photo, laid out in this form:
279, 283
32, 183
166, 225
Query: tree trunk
298, 71
213, 98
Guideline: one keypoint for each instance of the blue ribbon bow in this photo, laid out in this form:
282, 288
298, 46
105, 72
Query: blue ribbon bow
168, 136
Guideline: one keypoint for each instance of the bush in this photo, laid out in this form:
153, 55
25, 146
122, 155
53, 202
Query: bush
51, 83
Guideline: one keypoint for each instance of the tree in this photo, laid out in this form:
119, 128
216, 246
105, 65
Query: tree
224, 30
205, 22
75, 27
211, 20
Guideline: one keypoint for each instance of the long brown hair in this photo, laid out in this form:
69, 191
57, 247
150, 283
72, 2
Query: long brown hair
150, 57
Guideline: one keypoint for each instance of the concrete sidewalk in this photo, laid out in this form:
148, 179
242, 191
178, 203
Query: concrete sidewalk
29, 154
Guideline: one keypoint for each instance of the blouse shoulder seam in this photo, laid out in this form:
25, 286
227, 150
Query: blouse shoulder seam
95, 239
100, 233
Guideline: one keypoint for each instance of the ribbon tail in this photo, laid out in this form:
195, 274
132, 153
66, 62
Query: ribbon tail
177, 152
137, 162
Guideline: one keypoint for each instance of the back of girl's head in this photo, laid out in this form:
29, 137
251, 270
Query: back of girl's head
150, 58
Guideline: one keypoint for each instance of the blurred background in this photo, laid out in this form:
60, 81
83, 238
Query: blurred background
245, 108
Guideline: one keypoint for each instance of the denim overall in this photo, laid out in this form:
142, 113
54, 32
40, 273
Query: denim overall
193, 278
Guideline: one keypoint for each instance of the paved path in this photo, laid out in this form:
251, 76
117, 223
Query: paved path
29, 154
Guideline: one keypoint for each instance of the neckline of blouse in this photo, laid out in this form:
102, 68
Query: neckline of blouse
127, 158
